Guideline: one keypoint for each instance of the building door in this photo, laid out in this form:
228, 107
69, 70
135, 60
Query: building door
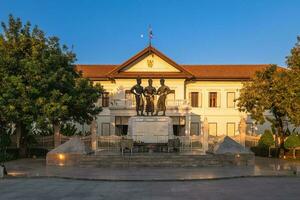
121, 125
178, 125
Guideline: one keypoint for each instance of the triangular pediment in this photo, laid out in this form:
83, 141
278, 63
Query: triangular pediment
150, 62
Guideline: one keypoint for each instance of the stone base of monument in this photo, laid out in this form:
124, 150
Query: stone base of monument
68, 154
229, 149
154, 129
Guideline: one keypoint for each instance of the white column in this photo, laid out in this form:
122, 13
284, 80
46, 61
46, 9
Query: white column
188, 120
93, 130
205, 134
242, 130
57, 136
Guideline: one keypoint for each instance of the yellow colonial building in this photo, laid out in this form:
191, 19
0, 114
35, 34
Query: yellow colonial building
198, 92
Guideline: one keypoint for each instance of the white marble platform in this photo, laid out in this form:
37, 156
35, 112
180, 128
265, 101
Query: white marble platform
154, 129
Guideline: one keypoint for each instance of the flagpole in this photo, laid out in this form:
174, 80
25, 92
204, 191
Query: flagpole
150, 35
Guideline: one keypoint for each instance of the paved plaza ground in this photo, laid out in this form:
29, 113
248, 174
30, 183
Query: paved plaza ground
262, 167
272, 188
267, 179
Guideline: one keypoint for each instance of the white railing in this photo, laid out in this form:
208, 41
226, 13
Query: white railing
121, 104
108, 142
177, 103
129, 103
191, 142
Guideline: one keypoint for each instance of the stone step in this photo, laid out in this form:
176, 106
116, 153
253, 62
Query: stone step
168, 160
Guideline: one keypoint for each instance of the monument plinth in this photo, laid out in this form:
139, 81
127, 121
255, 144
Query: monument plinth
154, 129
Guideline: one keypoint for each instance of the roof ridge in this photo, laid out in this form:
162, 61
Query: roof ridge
224, 65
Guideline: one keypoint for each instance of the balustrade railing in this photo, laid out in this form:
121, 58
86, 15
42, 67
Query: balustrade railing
121, 104
129, 103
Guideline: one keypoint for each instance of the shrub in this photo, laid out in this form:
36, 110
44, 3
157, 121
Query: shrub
9, 154
6, 157
264, 152
266, 140
69, 130
292, 141
38, 152
4, 141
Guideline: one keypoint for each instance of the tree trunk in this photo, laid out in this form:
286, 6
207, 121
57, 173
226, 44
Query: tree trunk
56, 130
18, 135
21, 139
281, 137
294, 153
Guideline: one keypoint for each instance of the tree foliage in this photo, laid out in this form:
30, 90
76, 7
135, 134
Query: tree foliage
293, 63
293, 60
39, 83
266, 140
292, 141
267, 94
274, 94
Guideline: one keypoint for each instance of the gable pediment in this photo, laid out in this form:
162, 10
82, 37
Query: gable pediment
150, 62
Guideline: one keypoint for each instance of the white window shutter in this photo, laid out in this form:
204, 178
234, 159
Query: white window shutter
199, 99
218, 99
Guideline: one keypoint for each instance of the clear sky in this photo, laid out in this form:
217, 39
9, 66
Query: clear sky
189, 32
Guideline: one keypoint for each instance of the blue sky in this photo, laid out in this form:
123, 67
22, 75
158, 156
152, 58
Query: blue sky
189, 32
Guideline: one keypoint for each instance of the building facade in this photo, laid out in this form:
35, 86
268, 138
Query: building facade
198, 92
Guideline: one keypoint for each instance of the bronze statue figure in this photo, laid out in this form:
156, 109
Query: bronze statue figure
149, 93
162, 91
138, 92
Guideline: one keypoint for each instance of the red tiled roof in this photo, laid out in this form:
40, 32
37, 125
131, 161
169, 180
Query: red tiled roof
95, 71
204, 72
224, 71
201, 72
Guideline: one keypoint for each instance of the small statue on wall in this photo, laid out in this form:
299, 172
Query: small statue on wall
162, 91
149, 93
138, 92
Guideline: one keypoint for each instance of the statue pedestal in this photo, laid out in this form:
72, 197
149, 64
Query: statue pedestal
154, 129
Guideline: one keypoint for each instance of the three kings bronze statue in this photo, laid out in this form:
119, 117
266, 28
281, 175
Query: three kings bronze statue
149, 93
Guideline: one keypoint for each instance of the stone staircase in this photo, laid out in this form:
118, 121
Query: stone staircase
150, 160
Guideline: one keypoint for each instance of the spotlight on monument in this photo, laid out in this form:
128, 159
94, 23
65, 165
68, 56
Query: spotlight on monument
61, 157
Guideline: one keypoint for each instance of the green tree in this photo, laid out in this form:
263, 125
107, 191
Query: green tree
275, 91
39, 82
20, 52
66, 96
266, 140
267, 94
293, 63
292, 142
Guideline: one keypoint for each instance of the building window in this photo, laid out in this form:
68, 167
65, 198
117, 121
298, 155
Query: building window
194, 99
121, 125
230, 99
230, 129
194, 128
212, 129
105, 129
213, 99
105, 99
